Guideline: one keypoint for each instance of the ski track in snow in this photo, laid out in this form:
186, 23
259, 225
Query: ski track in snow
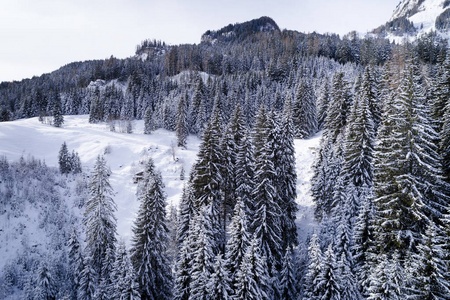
128, 154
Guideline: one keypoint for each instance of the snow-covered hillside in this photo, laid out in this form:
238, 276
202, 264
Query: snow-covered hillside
126, 153
423, 14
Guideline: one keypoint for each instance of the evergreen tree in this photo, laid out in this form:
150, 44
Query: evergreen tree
314, 267
245, 172
445, 142
387, 280
45, 288
287, 180
64, 160
58, 118
149, 125
75, 261
88, 281
239, 240
207, 179
288, 284
429, 268
266, 222
75, 163
338, 108
327, 280
99, 218
181, 122
150, 240
252, 277
304, 114
123, 276
219, 284
203, 257
322, 103
346, 280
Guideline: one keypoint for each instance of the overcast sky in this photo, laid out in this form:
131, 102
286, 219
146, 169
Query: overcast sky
39, 36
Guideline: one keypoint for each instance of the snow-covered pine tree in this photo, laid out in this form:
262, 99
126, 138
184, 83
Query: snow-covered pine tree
327, 280
287, 179
88, 280
45, 284
230, 144
347, 279
150, 240
203, 257
253, 277
387, 280
430, 278
338, 108
288, 284
266, 223
64, 160
75, 163
206, 179
304, 115
149, 125
407, 180
239, 240
58, 117
99, 219
445, 142
181, 126
323, 100
123, 276
245, 172
76, 265
363, 241
219, 284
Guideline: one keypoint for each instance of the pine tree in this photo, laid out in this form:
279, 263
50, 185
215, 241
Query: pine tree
99, 218
445, 143
123, 276
288, 279
88, 281
429, 268
346, 280
266, 222
181, 122
239, 240
327, 280
252, 277
58, 118
363, 243
245, 172
64, 160
75, 261
338, 108
407, 182
148, 121
314, 266
203, 257
206, 179
75, 163
304, 116
387, 280
287, 180
45, 288
219, 284
150, 240
322, 103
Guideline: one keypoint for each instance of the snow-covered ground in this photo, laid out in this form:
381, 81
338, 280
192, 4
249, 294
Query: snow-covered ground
126, 154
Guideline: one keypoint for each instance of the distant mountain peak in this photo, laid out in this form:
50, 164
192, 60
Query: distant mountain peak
241, 30
416, 17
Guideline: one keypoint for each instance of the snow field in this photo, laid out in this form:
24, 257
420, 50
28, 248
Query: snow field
126, 155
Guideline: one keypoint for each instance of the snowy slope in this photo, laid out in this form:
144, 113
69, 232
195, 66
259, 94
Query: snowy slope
422, 14
28, 137
127, 153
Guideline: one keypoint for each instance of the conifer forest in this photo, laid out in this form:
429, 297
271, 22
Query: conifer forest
380, 183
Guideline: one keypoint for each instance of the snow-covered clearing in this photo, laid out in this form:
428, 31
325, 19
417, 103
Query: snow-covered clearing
126, 153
